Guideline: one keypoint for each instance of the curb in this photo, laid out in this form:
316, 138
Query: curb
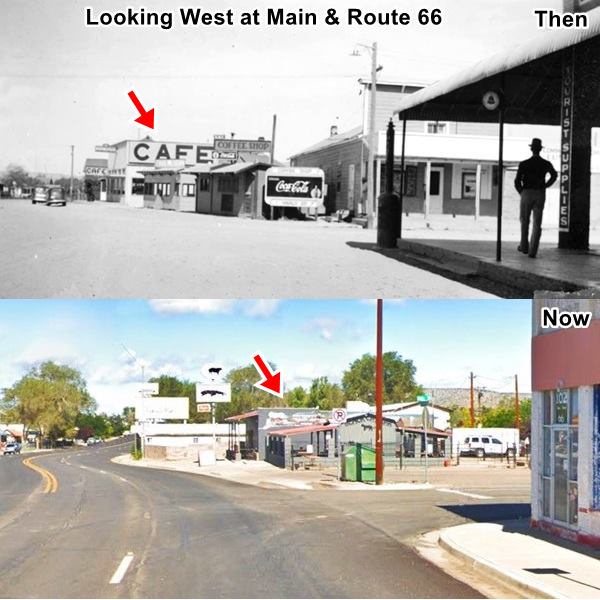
516, 580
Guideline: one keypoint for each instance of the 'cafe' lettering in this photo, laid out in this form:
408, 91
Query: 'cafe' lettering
149, 152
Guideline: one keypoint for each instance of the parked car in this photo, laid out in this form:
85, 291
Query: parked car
484, 445
39, 195
55, 195
12, 448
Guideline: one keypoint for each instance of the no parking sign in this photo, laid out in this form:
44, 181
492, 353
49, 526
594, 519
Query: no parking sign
338, 416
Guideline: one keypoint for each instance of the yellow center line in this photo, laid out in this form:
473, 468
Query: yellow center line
48, 477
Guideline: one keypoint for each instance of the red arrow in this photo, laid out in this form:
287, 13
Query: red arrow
146, 118
272, 381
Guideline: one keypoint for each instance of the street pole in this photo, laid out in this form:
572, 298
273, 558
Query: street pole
379, 398
72, 161
472, 408
517, 407
425, 422
371, 175
214, 428
273, 149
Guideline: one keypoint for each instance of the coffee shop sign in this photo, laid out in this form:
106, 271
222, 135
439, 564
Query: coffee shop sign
242, 145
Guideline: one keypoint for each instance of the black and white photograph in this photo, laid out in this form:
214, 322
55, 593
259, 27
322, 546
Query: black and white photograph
299, 299
299, 150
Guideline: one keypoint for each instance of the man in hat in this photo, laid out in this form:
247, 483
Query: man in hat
531, 183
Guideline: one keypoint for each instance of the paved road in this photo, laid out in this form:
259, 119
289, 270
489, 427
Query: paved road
200, 537
99, 250
16, 485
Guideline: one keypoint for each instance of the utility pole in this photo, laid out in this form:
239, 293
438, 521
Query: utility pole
379, 398
517, 407
371, 175
472, 408
71, 185
273, 153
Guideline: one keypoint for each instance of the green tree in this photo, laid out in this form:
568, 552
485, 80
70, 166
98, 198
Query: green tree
296, 397
244, 395
50, 398
504, 415
358, 381
325, 395
460, 416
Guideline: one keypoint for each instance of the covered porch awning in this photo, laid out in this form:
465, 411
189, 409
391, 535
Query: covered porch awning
526, 85
530, 76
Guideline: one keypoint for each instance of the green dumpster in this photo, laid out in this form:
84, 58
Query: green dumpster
359, 463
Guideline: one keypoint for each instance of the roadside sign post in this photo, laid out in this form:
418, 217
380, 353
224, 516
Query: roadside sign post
424, 402
210, 392
339, 416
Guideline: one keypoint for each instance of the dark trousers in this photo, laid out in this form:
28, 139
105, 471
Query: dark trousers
532, 202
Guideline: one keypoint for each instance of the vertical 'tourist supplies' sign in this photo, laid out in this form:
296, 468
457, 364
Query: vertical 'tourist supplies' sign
566, 139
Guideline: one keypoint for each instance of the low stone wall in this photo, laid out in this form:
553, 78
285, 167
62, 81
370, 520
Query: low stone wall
179, 452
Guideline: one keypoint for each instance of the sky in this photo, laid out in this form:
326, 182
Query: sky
110, 340
63, 83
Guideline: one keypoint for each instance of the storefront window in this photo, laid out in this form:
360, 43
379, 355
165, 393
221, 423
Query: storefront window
574, 407
547, 471
560, 455
137, 186
547, 400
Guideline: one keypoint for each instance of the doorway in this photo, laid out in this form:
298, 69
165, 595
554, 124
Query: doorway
436, 190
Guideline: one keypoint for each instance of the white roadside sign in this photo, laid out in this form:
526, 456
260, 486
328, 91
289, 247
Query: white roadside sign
162, 407
339, 416
213, 392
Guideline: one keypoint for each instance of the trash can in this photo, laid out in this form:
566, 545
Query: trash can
349, 464
359, 463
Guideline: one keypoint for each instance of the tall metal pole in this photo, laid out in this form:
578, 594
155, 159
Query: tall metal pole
402, 174
472, 404
214, 428
273, 139
379, 397
72, 161
371, 175
517, 407
425, 423
500, 180
273, 153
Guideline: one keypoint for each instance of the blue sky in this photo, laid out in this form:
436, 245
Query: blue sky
69, 84
446, 339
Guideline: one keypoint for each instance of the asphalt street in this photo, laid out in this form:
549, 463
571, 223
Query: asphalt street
163, 534
88, 250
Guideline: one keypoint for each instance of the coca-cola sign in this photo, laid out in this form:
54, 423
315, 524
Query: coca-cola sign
295, 186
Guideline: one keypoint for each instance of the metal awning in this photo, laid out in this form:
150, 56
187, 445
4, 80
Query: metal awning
529, 75
239, 167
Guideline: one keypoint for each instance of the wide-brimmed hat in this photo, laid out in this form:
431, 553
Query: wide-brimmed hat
536, 144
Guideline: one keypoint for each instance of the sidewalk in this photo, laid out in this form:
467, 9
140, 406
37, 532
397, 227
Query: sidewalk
535, 564
262, 474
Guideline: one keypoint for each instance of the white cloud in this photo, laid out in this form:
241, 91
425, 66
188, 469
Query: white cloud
198, 306
326, 327
48, 349
251, 308
261, 308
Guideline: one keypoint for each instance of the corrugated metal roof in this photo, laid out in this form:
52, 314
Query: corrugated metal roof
504, 61
239, 167
302, 429
243, 416
101, 163
333, 140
